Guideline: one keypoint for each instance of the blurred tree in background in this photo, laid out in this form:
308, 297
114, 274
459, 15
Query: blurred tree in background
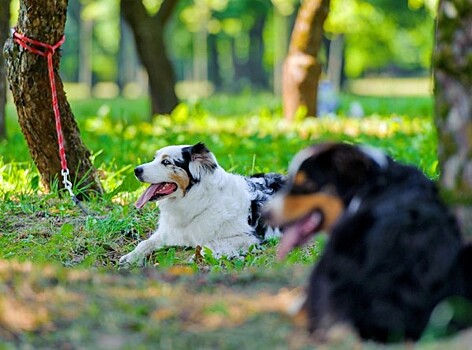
4, 31
148, 24
384, 36
238, 45
228, 40
302, 68
453, 88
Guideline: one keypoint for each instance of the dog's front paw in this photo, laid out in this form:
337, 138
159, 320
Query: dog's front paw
130, 260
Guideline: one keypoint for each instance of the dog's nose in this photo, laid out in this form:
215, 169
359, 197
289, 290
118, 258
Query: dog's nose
138, 171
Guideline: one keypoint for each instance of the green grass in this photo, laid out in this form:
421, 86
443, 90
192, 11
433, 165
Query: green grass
247, 135
406, 106
172, 303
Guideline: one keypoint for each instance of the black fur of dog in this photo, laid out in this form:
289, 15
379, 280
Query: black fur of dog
394, 251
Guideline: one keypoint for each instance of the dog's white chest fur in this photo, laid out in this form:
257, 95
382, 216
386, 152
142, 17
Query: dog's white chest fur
215, 209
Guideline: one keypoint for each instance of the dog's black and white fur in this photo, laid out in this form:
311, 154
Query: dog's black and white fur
201, 204
394, 252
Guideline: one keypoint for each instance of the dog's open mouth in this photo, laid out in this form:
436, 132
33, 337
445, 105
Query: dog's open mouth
156, 192
299, 232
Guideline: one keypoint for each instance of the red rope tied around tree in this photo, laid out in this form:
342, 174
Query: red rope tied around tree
46, 50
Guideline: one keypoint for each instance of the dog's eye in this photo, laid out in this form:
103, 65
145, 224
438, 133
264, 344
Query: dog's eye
166, 162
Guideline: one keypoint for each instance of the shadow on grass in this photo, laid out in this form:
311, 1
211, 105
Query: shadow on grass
46, 307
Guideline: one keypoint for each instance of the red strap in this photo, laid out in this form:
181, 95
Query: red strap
46, 50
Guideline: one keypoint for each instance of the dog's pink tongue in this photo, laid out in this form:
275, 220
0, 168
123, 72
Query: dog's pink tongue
146, 196
298, 233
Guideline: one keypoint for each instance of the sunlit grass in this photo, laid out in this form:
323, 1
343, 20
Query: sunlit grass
38, 226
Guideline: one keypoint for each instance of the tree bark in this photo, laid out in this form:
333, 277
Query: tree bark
148, 34
302, 69
4, 31
453, 105
28, 79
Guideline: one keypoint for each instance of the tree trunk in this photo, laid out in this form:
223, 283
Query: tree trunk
453, 108
128, 62
251, 68
29, 83
302, 69
148, 34
255, 63
335, 69
281, 41
213, 63
4, 31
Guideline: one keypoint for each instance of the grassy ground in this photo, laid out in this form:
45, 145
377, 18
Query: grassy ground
248, 137
46, 307
61, 283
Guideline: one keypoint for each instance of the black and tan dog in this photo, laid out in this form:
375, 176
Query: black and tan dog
394, 250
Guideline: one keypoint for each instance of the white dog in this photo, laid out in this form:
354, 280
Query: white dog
201, 204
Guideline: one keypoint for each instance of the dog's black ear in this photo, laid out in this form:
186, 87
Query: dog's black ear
199, 148
351, 164
202, 160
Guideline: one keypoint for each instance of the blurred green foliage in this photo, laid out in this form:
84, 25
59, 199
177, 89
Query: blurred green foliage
380, 35
383, 33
